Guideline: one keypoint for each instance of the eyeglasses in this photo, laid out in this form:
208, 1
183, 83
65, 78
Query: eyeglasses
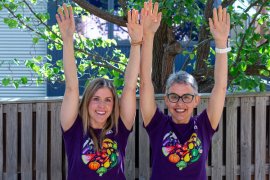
186, 98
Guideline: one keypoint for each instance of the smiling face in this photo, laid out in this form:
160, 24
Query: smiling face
180, 111
100, 107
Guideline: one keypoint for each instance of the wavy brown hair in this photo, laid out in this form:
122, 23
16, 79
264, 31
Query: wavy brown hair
111, 122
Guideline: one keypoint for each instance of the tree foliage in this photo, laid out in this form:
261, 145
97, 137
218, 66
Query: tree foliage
184, 22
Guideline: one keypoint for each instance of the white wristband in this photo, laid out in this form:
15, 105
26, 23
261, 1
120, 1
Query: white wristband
225, 50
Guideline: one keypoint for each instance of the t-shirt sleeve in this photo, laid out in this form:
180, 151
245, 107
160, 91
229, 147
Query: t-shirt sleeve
204, 122
157, 121
72, 134
72, 129
122, 127
123, 132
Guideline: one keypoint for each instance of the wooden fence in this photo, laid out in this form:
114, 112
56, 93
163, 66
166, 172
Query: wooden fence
31, 145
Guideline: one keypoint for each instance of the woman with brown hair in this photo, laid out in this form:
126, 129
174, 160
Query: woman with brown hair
96, 130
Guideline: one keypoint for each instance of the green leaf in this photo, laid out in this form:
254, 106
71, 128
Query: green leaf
59, 63
50, 46
260, 21
39, 81
19, 16
244, 83
11, 23
58, 46
118, 82
38, 59
16, 84
268, 64
177, 19
29, 64
56, 70
191, 56
24, 80
35, 40
233, 71
6, 81
264, 73
262, 87
243, 66
49, 57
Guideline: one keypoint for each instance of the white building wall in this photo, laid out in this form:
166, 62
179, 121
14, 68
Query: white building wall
15, 43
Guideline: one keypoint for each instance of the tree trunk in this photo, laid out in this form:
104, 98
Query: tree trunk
202, 74
158, 50
165, 50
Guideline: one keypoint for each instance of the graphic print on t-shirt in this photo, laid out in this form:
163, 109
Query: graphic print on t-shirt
181, 154
101, 161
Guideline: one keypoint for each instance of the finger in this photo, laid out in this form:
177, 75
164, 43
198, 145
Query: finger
129, 16
60, 12
150, 7
134, 19
142, 13
133, 16
128, 27
215, 18
58, 19
137, 17
66, 15
146, 8
155, 11
71, 15
220, 13
224, 14
211, 24
228, 21
141, 19
159, 17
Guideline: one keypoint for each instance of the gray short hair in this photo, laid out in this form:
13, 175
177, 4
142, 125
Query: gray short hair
181, 77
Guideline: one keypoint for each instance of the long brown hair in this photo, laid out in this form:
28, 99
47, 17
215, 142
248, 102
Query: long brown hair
111, 122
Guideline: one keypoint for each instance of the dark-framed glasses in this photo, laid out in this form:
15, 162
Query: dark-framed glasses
186, 98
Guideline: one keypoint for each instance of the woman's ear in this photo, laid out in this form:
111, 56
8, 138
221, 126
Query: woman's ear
197, 100
166, 99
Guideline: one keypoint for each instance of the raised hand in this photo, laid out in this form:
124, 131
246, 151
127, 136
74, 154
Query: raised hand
65, 20
220, 26
135, 28
151, 17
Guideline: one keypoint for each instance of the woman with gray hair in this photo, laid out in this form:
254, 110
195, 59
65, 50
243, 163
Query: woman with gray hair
180, 143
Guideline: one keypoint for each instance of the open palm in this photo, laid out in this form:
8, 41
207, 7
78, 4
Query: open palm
151, 17
135, 28
65, 20
220, 24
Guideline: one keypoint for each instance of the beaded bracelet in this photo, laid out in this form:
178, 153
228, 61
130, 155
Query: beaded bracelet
136, 43
225, 50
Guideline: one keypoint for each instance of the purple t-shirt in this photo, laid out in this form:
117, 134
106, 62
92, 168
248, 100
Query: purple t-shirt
85, 163
179, 151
